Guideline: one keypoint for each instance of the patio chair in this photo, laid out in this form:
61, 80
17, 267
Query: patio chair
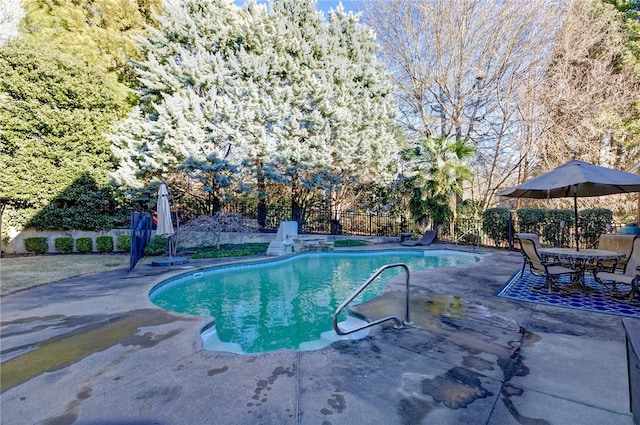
536, 241
532, 236
630, 276
426, 239
617, 243
551, 270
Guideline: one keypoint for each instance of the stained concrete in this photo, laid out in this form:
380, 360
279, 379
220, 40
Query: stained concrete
94, 350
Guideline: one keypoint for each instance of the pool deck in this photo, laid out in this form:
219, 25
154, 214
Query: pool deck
94, 350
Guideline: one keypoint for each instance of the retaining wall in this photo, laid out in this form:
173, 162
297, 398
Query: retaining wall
186, 239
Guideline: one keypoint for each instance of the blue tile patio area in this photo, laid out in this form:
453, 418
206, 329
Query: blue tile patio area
596, 300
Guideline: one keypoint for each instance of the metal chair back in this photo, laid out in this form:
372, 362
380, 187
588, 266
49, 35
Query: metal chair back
531, 236
634, 259
532, 257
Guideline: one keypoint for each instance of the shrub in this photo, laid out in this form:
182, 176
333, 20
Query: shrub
552, 232
37, 245
64, 244
469, 238
468, 209
104, 244
123, 243
84, 245
530, 220
157, 246
232, 250
349, 242
593, 223
495, 224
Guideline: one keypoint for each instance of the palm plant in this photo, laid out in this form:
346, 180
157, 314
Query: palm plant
438, 166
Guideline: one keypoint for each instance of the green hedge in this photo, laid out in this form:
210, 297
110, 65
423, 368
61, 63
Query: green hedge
84, 245
495, 224
104, 244
593, 223
123, 243
37, 245
157, 246
232, 250
555, 227
64, 245
349, 242
552, 232
531, 220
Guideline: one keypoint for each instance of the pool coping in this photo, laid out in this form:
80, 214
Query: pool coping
208, 331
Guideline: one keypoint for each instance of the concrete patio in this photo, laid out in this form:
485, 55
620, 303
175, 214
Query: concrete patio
94, 350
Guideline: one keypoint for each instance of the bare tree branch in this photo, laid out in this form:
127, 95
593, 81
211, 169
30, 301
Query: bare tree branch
587, 91
462, 68
9, 15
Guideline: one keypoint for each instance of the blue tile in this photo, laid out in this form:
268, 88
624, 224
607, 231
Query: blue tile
519, 289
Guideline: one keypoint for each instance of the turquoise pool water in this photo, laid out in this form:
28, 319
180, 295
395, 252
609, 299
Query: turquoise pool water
286, 303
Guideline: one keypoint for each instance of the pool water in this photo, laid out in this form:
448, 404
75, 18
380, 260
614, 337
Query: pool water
286, 303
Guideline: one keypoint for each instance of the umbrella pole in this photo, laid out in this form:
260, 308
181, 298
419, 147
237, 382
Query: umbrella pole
174, 237
170, 243
575, 213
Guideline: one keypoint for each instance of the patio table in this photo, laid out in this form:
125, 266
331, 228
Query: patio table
580, 259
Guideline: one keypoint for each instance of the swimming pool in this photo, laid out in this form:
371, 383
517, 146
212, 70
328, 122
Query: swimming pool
289, 302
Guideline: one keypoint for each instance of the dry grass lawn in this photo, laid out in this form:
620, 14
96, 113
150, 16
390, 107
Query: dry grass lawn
18, 273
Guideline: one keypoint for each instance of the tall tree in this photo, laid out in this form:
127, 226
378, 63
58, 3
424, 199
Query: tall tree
186, 117
341, 126
590, 97
588, 91
438, 167
366, 137
96, 31
262, 94
282, 94
460, 69
54, 111
303, 133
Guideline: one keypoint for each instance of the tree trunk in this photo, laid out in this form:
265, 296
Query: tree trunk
262, 198
297, 208
336, 214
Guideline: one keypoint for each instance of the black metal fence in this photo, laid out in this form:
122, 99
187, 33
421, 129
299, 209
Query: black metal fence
470, 232
355, 223
352, 223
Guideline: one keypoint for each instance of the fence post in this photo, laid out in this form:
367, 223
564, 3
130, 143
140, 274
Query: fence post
510, 223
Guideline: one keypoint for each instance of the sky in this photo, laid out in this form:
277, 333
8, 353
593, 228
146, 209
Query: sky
349, 5
10, 12
326, 5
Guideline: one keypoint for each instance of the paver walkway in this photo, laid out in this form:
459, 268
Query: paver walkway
94, 350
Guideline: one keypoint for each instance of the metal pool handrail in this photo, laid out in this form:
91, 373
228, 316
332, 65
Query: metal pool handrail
357, 292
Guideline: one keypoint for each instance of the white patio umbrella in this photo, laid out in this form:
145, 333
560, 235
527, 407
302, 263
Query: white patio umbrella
165, 224
165, 228
576, 179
